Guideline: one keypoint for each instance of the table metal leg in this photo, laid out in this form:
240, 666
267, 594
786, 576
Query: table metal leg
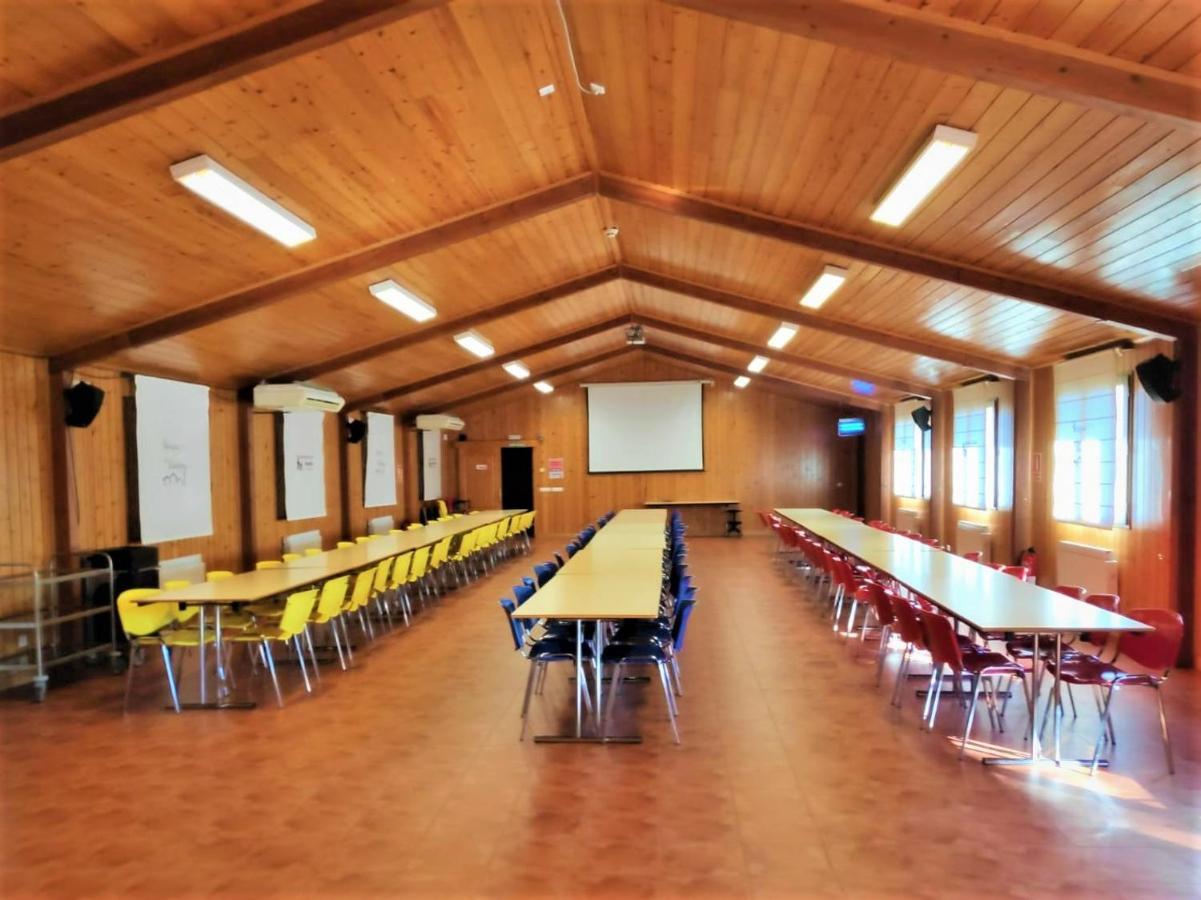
580, 685
223, 700
1032, 710
203, 666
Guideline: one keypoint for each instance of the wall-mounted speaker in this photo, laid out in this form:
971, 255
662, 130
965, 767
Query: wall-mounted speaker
356, 430
1160, 378
83, 402
921, 418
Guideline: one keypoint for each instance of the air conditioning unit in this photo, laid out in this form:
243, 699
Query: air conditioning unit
295, 397
439, 423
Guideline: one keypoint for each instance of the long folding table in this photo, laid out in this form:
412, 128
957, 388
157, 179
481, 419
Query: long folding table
619, 575
988, 601
264, 584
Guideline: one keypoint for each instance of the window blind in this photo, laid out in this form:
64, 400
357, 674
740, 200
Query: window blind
1091, 449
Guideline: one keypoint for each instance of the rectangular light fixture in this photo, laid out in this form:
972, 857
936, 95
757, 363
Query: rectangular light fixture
543, 387
221, 187
741, 381
758, 364
475, 343
827, 283
944, 150
783, 335
402, 300
516, 369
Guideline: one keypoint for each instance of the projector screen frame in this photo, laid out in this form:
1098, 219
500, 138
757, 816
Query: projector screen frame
703, 383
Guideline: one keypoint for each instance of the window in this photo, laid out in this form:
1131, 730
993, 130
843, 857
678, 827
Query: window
974, 447
910, 455
1092, 442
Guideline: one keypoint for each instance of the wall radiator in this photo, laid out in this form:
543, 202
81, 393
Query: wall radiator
1092, 568
381, 525
909, 519
301, 541
182, 568
972, 536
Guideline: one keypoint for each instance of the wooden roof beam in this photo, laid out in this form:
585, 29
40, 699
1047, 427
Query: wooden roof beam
812, 392
321, 274
541, 376
1095, 307
960, 46
453, 326
491, 362
197, 65
792, 359
947, 353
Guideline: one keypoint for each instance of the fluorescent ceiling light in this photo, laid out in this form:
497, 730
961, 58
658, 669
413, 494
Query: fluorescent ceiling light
783, 335
827, 283
543, 387
859, 386
474, 342
741, 381
758, 364
221, 187
516, 369
403, 300
945, 150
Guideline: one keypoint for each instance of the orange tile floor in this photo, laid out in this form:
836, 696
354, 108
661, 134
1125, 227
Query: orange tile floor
405, 778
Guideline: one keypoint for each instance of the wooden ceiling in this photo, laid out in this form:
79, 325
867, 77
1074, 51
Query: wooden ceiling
736, 156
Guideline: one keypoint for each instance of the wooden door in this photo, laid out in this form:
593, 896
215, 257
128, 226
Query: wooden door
479, 474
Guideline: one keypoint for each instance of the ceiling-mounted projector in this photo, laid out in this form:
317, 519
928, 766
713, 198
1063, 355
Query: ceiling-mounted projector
634, 336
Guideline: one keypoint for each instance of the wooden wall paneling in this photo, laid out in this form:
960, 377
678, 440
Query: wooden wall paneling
1023, 450
478, 481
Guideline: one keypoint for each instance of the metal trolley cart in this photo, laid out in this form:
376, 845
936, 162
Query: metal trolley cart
55, 597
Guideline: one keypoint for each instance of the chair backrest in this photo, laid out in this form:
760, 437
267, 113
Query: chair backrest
873, 593
442, 510
362, 590
467, 545
680, 627
441, 551
268, 564
176, 584
400, 569
333, 597
572, 549
297, 610
421, 556
313, 551
1107, 602
1156, 649
290, 557
514, 625
414, 526
941, 640
141, 620
523, 592
342, 545
974, 555
544, 572
908, 623
218, 575
382, 569
1071, 590
362, 539
1021, 573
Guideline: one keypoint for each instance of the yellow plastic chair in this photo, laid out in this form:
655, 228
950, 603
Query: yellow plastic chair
187, 613
442, 510
438, 557
268, 564
313, 551
362, 539
292, 624
417, 572
379, 589
343, 545
415, 526
462, 554
290, 557
218, 575
398, 582
359, 597
330, 605
151, 626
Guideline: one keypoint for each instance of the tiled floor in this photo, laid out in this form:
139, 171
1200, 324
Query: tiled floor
405, 777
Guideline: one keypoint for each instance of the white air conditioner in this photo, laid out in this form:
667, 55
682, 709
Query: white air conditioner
296, 397
439, 423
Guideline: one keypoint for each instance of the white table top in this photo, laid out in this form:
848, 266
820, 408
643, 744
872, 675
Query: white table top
982, 597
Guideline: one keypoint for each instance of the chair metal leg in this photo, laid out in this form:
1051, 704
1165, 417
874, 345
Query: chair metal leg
935, 680
304, 670
308, 639
333, 630
1163, 730
971, 714
346, 637
170, 676
1092, 769
133, 650
937, 698
885, 636
902, 669
675, 668
671, 703
269, 662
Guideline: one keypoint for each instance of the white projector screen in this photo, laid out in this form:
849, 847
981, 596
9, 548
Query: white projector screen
645, 426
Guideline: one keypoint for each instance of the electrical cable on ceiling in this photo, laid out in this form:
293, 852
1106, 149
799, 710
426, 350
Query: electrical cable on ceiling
593, 89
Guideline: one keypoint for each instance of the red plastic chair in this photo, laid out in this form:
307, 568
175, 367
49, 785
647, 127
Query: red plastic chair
1156, 650
846, 584
1021, 573
974, 555
945, 650
909, 627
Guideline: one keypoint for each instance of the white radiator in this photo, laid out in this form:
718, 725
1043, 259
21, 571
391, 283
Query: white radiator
909, 519
182, 568
973, 536
302, 540
1092, 568
381, 525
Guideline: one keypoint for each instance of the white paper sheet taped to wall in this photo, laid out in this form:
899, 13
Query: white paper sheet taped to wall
174, 489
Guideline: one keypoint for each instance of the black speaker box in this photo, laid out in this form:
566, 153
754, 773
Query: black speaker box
1159, 377
921, 418
83, 402
356, 430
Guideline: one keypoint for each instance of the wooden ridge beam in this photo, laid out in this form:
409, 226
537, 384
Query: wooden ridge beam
671, 202
514, 385
805, 319
984, 52
812, 392
197, 65
491, 362
793, 359
385, 253
453, 326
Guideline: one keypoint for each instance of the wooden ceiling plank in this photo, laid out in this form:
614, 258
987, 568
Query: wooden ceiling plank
453, 326
514, 385
673, 202
807, 362
820, 395
151, 81
493, 361
377, 256
1007, 58
961, 357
